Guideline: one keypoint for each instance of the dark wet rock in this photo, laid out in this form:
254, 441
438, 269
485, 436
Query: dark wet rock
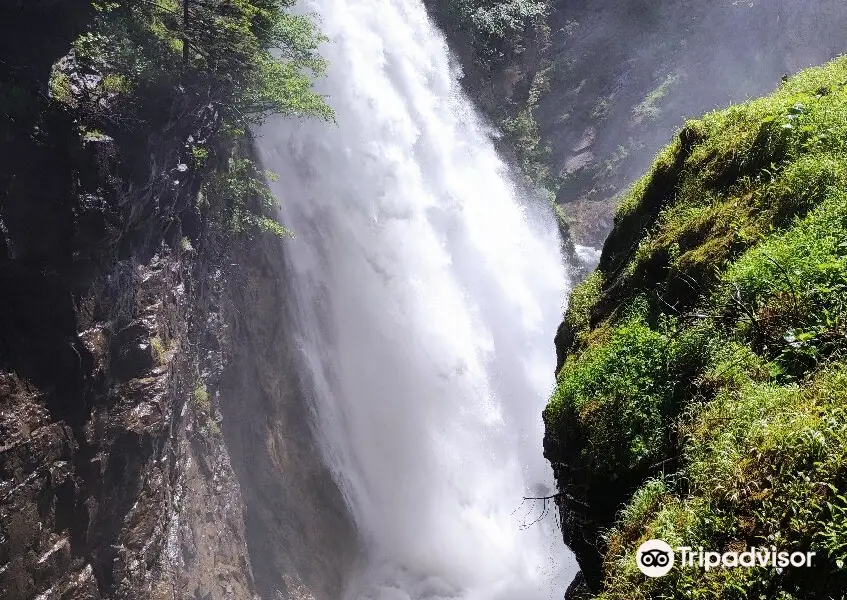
132, 354
578, 589
101, 345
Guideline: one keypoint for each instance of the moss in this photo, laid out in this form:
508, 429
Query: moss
60, 87
648, 109
620, 396
200, 398
765, 466
581, 303
704, 384
159, 349
115, 83
728, 181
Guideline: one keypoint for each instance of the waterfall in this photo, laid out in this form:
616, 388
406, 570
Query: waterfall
427, 293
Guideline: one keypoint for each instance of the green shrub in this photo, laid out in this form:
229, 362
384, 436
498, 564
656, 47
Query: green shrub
60, 87
648, 109
241, 193
159, 349
114, 83
500, 19
495, 28
582, 301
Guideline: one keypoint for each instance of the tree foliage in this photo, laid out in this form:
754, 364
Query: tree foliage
226, 63
497, 27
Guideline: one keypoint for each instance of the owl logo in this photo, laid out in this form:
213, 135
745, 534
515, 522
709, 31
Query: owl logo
654, 558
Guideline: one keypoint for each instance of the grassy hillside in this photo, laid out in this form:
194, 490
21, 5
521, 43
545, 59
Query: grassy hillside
702, 377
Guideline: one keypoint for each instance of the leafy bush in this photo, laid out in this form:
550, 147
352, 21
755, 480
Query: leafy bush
582, 301
496, 27
499, 19
200, 398
241, 193
648, 109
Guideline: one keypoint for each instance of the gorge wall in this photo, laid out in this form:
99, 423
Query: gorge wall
587, 91
129, 420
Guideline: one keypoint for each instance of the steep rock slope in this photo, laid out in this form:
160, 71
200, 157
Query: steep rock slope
701, 378
99, 345
126, 180
587, 91
625, 74
300, 537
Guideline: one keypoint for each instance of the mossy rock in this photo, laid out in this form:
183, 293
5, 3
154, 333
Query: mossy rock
701, 374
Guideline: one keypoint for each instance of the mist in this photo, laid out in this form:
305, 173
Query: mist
623, 75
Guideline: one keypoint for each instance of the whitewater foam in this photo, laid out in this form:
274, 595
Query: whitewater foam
428, 293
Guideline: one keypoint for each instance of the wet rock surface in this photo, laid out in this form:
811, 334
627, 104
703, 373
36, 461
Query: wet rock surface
107, 469
80, 498
300, 536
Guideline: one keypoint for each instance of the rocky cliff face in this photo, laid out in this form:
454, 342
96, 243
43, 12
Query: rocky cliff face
122, 344
127, 492
100, 349
588, 91
300, 536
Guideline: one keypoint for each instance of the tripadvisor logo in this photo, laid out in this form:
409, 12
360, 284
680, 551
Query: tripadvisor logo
656, 558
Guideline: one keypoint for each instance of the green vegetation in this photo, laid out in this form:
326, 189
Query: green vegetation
497, 27
582, 299
624, 391
60, 87
250, 200
222, 64
703, 382
200, 398
648, 109
524, 133
601, 108
202, 403
159, 349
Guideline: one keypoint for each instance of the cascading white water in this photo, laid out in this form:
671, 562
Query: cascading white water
428, 295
